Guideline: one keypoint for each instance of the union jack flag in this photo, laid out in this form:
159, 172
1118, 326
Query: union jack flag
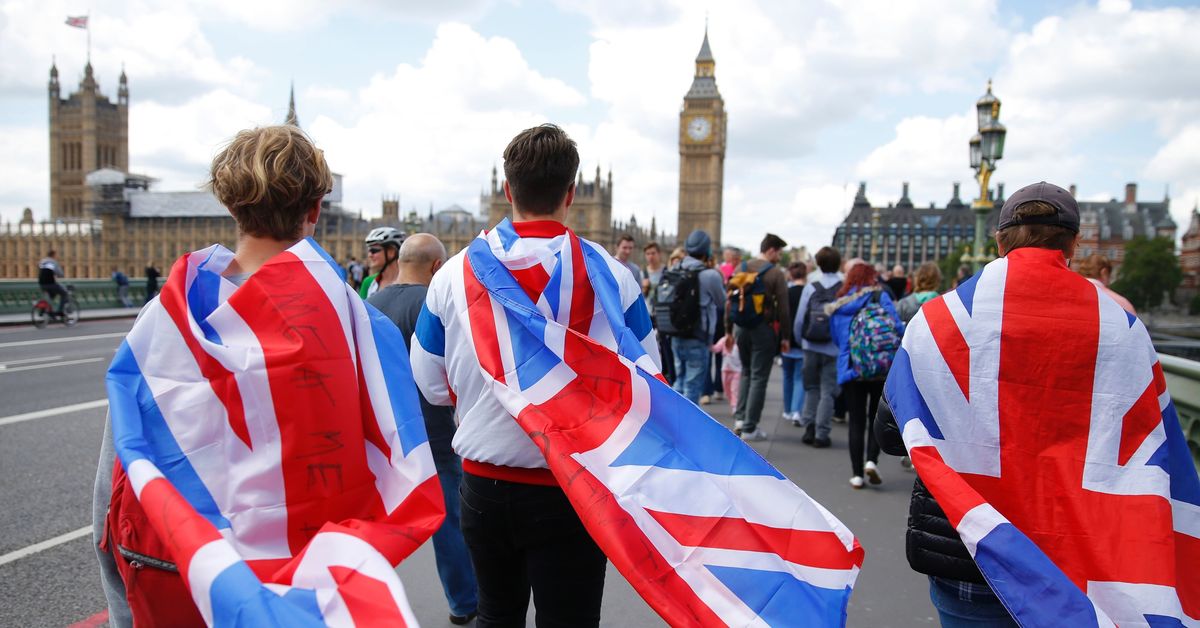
80, 21
706, 530
1035, 410
273, 435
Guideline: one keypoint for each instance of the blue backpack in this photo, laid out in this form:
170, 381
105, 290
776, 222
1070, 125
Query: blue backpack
874, 340
747, 296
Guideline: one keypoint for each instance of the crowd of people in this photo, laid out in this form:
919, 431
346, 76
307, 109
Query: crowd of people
718, 327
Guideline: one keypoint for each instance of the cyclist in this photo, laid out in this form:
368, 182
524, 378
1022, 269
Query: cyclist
48, 273
383, 248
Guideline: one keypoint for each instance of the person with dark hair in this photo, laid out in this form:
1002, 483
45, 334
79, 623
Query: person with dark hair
793, 359
756, 314
811, 326
625, 246
522, 532
152, 276
651, 275
691, 351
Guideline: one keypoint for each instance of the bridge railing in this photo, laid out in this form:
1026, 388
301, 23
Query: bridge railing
1183, 382
17, 295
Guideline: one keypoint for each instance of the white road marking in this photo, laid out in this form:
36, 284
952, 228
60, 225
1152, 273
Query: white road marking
41, 414
32, 367
28, 360
46, 341
45, 545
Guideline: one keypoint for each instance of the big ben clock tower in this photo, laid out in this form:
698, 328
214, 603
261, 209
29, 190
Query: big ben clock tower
702, 151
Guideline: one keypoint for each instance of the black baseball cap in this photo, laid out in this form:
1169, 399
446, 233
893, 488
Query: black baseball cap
1066, 214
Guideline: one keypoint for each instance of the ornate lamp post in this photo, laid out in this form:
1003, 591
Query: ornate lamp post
986, 148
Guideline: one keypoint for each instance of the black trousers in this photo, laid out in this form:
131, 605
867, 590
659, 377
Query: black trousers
526, 537
862, 400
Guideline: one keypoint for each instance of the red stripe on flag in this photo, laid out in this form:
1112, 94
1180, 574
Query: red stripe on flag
483, 323
368, 600
180, 527
313, 379
583, 299
222, 381
950, 342
532, 280
813, 548
1138, 422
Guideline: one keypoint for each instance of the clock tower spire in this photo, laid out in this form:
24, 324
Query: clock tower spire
702, 150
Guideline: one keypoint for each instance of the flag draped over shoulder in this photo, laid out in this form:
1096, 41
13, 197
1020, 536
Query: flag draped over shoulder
273, 435
706, 530
1035, 410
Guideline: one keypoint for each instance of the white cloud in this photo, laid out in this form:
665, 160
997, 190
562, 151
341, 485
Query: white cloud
25, 153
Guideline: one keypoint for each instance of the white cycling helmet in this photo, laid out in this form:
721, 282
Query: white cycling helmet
385, 235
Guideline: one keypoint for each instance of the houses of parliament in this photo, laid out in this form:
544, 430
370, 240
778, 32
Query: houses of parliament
105, 217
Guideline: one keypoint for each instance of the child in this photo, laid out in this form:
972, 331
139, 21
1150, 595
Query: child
731, 370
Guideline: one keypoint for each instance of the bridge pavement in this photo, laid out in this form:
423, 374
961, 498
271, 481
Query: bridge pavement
49, 435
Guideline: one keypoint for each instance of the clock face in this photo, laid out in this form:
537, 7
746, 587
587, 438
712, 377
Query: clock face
699, 128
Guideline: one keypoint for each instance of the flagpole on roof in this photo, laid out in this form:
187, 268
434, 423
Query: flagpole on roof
87, 26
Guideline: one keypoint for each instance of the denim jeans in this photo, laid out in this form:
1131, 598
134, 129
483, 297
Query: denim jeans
449, 548
757, 347
980, 611
820, 387
793, 384
691, 366
525, 537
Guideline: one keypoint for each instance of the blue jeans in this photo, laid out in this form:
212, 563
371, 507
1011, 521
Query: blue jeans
691, 366
982, 610
449, 548
793, 385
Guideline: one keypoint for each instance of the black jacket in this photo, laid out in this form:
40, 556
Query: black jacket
932, 545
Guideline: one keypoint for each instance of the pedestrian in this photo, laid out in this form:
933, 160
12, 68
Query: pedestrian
819, 372
522, 532
49, 272
122, 282
383, 248
926, 282
731, 258
1098, 270
354, 272
755, 314
688, 313
867, 331
252, 404
152, 276
964, 273
677, 255
792, 360
731, 370
651, 275
1038, 419
624, 253
421, 256
898, 282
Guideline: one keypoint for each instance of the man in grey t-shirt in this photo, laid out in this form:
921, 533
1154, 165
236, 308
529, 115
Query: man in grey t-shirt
624, 253
420, 257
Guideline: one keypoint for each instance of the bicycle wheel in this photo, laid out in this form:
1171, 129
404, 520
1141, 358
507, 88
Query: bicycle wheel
41, 316
70, 313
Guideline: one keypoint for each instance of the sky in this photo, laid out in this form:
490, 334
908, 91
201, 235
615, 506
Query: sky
420, 98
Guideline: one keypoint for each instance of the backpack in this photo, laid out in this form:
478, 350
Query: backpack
747, 294
677, 302
816, 321
873, 341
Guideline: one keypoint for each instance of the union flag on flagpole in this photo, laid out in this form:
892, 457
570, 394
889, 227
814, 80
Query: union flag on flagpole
703, 528
1064, 470
273, 435
80, 21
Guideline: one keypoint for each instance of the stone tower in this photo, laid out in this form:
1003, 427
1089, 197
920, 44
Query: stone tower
702, 151
87, 133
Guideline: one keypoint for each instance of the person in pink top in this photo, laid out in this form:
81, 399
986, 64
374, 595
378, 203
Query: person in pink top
1098, 270
732, 257
731, 370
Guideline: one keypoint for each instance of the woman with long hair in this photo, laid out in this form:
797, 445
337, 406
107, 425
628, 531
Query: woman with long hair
926, 282
866, 328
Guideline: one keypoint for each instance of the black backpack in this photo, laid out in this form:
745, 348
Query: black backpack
816, 321
747, 296
677, 302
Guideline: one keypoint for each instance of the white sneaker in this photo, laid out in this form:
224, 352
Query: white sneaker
705, 400
754, 436
738, 426
872, 473
856, 481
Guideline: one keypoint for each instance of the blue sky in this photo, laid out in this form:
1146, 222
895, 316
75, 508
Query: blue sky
420, 98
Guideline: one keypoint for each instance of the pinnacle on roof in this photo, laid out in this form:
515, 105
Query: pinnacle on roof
291, 114
705, 51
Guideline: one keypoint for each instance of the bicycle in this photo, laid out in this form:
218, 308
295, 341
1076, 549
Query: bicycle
43, 311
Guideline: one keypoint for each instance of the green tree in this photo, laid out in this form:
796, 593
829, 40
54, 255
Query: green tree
1150, 270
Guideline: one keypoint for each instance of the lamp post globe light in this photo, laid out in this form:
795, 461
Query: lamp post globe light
986, 148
